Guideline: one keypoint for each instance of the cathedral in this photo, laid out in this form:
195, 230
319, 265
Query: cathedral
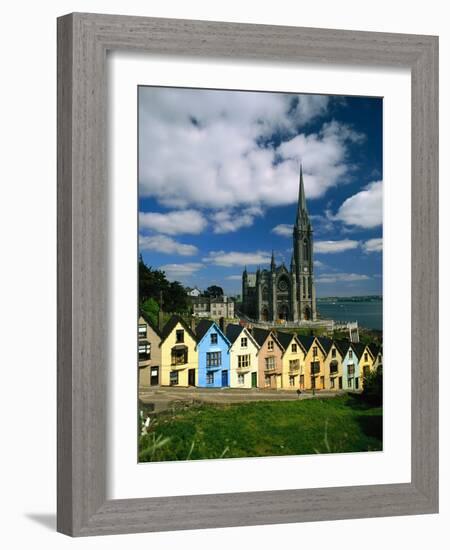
280, 293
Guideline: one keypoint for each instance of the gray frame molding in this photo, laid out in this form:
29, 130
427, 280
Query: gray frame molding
83, 40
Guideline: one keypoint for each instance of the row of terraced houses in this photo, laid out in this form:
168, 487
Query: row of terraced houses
210, 356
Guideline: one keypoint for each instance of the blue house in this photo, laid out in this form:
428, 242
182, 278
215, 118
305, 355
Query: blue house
350, 365
213, 356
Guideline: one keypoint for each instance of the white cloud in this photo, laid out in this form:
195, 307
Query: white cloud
166, 245
182, 271
365, 209
333, 247
319, 264
373, 245
228, 221
283, 230
206, 148
231, 259
176, 222
341, 278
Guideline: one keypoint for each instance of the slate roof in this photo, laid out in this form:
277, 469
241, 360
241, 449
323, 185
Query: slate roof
260, 335
326, 343
285, 338
172, 323
202, 328
306, 341
359, 349
232, 332
374, 348
342, 346
149, 322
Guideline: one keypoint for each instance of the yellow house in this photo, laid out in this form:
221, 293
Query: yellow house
332, 363
377, 352
179, 357
149, 340
312, 375
292, 360
366, 359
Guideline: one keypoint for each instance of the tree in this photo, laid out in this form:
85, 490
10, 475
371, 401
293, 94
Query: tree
373, 388
153, 284
213, 291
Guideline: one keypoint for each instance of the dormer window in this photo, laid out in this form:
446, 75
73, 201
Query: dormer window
350, 353
333, 352
180, 336
294, 348
270, 345
315, 351
243, 342
214, 338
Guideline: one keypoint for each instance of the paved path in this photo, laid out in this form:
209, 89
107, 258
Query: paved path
162, 397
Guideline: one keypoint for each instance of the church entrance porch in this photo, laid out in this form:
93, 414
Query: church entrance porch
307, 314
283, 313
264, 314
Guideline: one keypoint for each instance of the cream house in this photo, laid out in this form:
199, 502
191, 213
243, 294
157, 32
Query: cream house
243, 357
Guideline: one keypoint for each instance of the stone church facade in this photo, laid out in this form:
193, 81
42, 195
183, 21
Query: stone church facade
279, 293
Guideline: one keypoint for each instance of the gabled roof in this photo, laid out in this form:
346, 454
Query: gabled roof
285, 338
234, 331
172, 323
342, 346
261, 335
204, 326
326, 343
359, 349
307, 341
149, 322
374, 349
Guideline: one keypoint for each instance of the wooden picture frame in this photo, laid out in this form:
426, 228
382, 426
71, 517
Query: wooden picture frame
83, 41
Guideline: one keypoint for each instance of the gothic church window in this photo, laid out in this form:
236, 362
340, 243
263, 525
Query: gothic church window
305, 250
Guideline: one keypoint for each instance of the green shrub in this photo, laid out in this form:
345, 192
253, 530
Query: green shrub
373, 388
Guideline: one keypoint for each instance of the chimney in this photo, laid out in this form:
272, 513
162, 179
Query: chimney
193, 324
222, 324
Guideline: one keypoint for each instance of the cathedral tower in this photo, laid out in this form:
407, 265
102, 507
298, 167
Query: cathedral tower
303, 258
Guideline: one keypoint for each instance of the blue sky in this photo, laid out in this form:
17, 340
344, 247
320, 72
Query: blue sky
218, 185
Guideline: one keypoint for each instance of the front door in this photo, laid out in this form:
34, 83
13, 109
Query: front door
340, 382
191, 377
224, 378
154, 376
254, 379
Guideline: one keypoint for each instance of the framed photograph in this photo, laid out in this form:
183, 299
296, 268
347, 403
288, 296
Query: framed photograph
247, 274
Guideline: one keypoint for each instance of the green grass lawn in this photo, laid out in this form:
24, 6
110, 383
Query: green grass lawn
333, 425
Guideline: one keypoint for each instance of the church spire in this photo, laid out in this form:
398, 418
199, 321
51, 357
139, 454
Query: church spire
302, 211
272, 262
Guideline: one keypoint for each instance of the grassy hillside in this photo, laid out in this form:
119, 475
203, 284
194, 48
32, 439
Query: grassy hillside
334, 425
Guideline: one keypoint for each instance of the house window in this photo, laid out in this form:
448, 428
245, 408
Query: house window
350, 382
356, 383
333, 367
294, 348
243, 361
243, 342
350, 353
366, 356
173, 377
142, 331
214, 338
270, 363
366, 371
179, 356
315, 351
315, 367
302, 380
180, 336
241, 378
351, 370
294, 364
333, 352
144, 352
332, 384
270, 345
210, 378
213, 359
267, 381
292, 381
